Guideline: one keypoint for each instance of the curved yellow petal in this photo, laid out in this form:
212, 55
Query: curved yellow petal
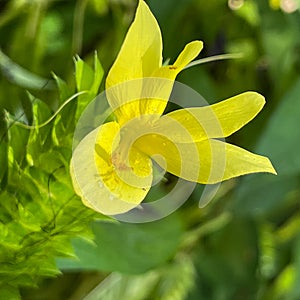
206, 162
139, 57
126, 179
162, 81
149, 95
190, 52
159, 87
181, 160
214, 121
103, 181
141, 51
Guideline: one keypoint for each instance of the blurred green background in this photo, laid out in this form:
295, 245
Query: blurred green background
245, 244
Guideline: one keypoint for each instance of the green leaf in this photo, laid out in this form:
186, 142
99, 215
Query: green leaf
63, 88
281, 137
65, 122
127, 248
3, 152
9, 292
39, 139
22, 77
87, 79
263, 194
84, 75
18, 142
98, 75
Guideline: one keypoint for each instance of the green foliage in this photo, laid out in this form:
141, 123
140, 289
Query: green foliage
245, 244
39, 211
172, 281
127, 248
275, 190
87, 79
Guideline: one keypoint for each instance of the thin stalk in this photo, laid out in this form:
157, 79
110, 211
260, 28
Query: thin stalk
214, 58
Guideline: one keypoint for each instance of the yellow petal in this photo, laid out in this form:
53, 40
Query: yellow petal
126, 179
139, 57
214, 121
163, 80
104, 183
149, 95
159, 87
207, 162
141, 52
181, 160
138, 97
190, 52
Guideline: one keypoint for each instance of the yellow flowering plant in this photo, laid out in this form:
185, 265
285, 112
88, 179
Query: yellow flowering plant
112, 166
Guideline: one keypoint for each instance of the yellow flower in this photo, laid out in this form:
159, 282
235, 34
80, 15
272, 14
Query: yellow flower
111, 167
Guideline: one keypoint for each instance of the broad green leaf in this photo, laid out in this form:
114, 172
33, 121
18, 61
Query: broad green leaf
126, 248
281, 136
22, 77
262, 194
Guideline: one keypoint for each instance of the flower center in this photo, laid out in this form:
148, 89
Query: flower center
119, 157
